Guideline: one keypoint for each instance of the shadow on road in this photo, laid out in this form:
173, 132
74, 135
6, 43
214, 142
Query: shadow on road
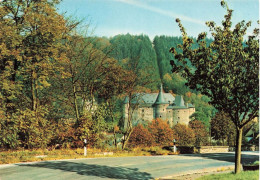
229, 157
94, 170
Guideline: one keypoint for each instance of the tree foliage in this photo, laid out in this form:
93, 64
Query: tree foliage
184, 135
226, 70
140, 137
161, 132
200, 131
222, 128
31, 40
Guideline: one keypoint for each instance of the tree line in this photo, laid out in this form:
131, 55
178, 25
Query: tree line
53, 75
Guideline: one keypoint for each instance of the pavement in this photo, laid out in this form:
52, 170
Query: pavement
139, 168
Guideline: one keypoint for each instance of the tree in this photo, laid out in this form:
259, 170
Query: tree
161, 132
204, 111
140, 137
226, 71
85, 68
31, 39
184, 135
222, 127
201, 134
134, 82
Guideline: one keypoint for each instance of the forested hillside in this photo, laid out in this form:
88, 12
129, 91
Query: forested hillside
153, 58
52, 75
138, 53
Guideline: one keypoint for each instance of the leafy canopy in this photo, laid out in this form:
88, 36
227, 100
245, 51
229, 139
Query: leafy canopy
226, 70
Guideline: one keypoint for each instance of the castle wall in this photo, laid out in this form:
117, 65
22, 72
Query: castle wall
140, 115
191, 111
161, 111
169, 117
146, 112
181, 116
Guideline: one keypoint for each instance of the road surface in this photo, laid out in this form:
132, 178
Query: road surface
143, 168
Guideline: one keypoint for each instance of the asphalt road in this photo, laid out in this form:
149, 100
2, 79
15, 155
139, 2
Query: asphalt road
143, 168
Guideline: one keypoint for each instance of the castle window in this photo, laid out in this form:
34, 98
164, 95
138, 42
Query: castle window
142, 110
178, 117
160, 116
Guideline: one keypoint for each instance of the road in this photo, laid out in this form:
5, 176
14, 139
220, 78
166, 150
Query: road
143, 168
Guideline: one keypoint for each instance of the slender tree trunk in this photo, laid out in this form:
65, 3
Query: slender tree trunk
129, 126
127, 138
238, 150
33, 91
115, 142
76, 104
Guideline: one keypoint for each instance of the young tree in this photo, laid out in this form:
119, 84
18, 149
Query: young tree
201, 134
161, 132
134, 85
140, 137
226, 71
184, 135
222, 127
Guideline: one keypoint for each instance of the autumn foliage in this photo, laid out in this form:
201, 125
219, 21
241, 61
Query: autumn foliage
161, 132
157, 133
184, 135
140, 137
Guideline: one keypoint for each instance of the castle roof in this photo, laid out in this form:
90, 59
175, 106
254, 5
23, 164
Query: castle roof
179, 101
179, 104
160, 98
150, 98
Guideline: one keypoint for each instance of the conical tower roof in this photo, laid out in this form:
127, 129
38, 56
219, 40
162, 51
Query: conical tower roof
179, 101
160, 98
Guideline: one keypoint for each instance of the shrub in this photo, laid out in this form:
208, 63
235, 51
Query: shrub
184, 135
140, 137
161, 132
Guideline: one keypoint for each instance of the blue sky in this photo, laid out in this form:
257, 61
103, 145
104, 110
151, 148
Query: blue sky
156, 17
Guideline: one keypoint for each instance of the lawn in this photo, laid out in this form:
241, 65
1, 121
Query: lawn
244, 175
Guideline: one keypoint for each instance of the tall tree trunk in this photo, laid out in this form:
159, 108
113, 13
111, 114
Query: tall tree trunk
33, 91
127, 136
115, 140
76, 104
129, 126
238, 150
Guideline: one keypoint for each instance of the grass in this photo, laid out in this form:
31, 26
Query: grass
244, 175
8, 157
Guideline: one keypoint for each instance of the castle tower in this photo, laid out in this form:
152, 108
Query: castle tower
182, 112
160, 105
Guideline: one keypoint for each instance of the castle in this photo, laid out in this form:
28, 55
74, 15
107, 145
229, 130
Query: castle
158, 105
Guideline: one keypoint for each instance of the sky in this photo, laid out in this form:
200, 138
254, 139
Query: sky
156, 17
